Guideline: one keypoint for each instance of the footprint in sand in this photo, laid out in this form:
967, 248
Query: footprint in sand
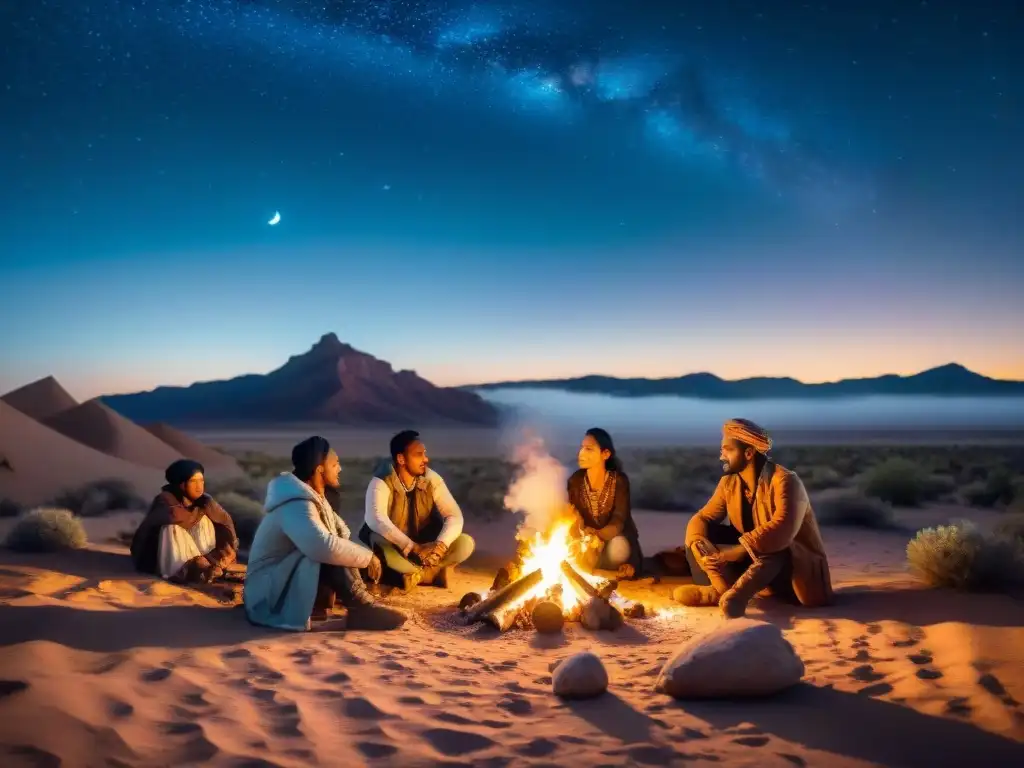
959, 706
156, 675
11, 687
794, 759
866, 674
516, 705
751, 741
374, 750
236, 653
363, 709
991, 684
456, 743
928, 673
539, 747
119, 709
921, 658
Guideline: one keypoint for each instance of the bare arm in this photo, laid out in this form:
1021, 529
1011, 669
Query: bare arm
378, 500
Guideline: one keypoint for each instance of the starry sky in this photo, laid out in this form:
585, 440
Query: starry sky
510, 189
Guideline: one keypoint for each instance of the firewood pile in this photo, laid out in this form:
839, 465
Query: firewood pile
517, 600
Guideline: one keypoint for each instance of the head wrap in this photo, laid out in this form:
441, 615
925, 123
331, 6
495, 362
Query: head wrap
747, 432
308, 455
182, 471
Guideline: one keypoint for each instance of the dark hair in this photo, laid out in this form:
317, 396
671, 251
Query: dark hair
182, 471
604, 442
308, 455
400, 443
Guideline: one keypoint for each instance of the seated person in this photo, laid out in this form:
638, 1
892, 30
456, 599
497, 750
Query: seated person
302, 559
412, 520
599, 492
771, 539
186, 536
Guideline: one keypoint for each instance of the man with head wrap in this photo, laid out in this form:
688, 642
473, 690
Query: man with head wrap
186, 536
302, 557
769, 539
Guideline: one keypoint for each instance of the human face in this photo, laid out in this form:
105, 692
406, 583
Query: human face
194, 487
590, 453
415, 459
332, 471
735, 458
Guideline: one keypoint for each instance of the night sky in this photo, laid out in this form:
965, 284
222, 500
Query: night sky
482, 191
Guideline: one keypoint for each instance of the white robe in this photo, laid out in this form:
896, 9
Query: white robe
178, 546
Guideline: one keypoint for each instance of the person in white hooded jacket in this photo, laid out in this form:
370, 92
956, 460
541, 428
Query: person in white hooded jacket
302, 557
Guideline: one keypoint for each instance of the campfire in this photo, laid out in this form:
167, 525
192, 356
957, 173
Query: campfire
544, 586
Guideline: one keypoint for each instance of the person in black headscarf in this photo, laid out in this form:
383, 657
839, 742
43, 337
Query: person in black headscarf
186, 536
599, 492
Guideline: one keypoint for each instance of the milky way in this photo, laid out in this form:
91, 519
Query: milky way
566, 66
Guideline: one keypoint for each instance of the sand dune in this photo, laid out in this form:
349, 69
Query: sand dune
41, 399
212, 460
94, 424
100, 664
43, 461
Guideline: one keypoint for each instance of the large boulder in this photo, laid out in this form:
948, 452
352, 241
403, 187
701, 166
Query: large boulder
581, 676
743, 657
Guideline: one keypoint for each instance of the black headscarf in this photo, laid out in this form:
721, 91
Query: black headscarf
182, 471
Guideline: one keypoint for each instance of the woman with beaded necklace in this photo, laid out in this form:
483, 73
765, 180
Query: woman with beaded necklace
599, 493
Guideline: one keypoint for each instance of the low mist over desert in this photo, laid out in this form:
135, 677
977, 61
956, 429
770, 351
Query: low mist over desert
408, 383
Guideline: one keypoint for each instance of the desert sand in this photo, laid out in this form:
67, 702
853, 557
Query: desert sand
101, 666
42, 461
94, 424
185, 445
41, 399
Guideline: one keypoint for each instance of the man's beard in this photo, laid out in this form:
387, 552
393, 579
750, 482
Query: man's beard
728, 469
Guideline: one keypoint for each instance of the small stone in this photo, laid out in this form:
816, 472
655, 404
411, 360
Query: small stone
740, 658
469, 600
547, 617
581, 676
598, 613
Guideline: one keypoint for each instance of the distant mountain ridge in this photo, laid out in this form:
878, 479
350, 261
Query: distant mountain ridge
945, 381
331, 382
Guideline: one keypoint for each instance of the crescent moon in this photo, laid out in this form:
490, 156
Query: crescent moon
275, 219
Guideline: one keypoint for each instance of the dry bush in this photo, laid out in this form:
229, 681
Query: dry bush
821, 477
1011, 528
851, 508
47, 529
962, 557
660, 487
100, 497
10, 508
245, 513
899, 481
998, 488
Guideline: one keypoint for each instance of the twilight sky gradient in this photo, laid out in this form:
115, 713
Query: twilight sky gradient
522, 189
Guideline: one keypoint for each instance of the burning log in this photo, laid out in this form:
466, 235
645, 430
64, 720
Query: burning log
597, 612
505, 596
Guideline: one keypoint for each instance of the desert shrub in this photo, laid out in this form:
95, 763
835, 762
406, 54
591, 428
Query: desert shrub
962, 557
99, 497
899, 481
243, 485
1011, 528
245, 513
851, 508
46, 529
661, 487
998, 488
10, 508
820, 478
256, 464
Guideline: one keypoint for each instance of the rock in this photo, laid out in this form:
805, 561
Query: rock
581, 676
468, 601
547, 617
742, 657
598, 613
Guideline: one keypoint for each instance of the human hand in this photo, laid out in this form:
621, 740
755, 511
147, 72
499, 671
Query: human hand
374, 570
419, 552
435, 553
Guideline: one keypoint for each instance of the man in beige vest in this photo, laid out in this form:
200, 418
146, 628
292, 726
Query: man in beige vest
412, 521
757, 532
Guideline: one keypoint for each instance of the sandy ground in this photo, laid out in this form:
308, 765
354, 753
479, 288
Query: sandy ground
99, 666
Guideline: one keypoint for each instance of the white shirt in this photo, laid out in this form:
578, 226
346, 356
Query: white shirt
378, 502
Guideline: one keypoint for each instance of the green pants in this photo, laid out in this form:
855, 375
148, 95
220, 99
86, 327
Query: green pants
393, 560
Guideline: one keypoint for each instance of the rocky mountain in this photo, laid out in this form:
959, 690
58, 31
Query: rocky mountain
331, 382
944, 381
